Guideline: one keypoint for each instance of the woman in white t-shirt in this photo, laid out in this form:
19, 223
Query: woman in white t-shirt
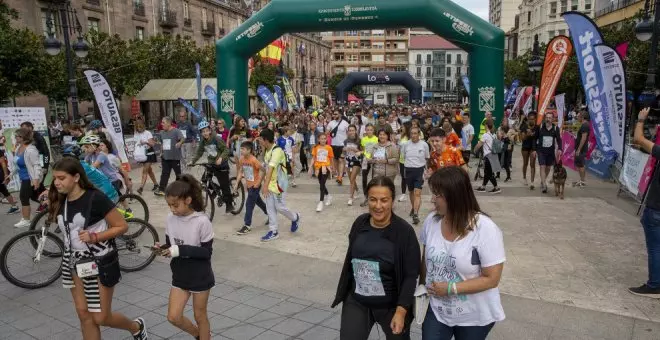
144, 139
491, 159
462, 261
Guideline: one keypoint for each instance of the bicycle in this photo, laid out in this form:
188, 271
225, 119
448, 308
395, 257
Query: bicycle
212, 192
20, 273
137, 207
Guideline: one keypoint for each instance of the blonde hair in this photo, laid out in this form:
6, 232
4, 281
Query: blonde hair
25, 135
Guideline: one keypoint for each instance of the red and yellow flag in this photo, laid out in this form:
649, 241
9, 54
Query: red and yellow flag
556, 56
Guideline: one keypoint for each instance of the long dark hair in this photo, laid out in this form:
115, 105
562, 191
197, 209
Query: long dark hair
72, 167
187, 186
382, 181
453, 183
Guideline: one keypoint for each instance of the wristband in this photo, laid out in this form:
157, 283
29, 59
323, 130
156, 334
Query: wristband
94, 237
455, 289
449, 288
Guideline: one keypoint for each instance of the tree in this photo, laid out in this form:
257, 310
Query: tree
334, 81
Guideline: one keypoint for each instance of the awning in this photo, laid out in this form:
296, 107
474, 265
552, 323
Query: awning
173, 89
353, 98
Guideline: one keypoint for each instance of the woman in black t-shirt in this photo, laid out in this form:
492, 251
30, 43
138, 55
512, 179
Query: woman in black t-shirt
90, 223
379, 275
528, 133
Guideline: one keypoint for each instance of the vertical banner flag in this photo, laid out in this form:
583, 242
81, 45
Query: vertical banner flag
198, 75
585, 37
280, 96
109, 112
556, 56
622, 50
288, 92
212, 96
519, 98
568, 150
190, 108
267, 97
510, 96
560, 102
614, 87
466, 83
528, 106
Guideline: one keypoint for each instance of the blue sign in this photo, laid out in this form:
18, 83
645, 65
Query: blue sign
511, 95
267, 97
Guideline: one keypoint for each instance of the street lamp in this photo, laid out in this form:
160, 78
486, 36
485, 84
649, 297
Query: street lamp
645, 30
54, 46
535, 65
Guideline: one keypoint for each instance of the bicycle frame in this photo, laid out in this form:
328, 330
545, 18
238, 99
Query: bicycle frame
42, 243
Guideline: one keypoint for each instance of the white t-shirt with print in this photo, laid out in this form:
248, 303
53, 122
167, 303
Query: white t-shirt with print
487, 140
460, 261
144, 137
342, 132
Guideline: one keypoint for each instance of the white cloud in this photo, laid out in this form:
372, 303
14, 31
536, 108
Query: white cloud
478, 7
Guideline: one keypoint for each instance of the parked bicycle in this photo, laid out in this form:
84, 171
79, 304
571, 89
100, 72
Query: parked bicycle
213, 193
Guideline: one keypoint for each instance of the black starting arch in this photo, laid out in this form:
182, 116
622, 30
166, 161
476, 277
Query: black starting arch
379, 78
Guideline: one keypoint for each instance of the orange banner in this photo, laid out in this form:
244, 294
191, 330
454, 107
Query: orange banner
556, 56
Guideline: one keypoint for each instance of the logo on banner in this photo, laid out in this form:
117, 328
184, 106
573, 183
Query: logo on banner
350, 12
459, 25
486, 99
251, 31
380, 78
560, 47
227, 99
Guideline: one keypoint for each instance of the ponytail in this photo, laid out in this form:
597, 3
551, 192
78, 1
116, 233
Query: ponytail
187, 186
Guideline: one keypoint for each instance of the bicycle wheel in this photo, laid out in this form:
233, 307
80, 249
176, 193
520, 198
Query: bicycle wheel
238, 196
41, 220
209, 205
130, 246
138, 207
22, 264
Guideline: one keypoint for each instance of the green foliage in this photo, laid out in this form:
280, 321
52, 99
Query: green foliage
334, 81
264, 74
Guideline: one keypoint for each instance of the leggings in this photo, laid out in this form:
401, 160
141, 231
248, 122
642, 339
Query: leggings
303, 160
357, 320
402, 172
488, 174
322, 178
365, 179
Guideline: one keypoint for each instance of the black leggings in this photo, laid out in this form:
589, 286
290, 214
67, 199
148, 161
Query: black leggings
303, 160
222, 175
402, 172
488, 173
365, 179
322, 179
357, 321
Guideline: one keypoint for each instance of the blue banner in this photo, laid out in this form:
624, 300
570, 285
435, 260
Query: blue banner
267, 97
466, 83
280, 95
511, 95
212, 96
190, 108
585, 36
198, 75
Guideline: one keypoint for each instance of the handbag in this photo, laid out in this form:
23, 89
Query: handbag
140, 153
105, 267
421, 303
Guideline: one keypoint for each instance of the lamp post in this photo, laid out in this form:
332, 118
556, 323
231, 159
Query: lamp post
645, 30
54, 46
535, 65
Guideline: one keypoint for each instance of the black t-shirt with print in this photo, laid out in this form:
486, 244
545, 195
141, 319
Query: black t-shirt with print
372, 255
584, 128
76, 219
528, 143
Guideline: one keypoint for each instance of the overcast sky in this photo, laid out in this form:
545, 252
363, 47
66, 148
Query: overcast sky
478, 7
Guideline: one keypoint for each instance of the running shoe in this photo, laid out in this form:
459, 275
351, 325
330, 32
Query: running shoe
328, 200
319, 207
480, 189
544, 188
531, 187
13, 210
525, 182
22, 223
350, 201
295, 224
155, 188
402, 198
415, 219
159, 193
508, 179
270, 235
646, 291
244, 230
582, 184
412, 212
139, 190
496, 191
142, 333
339, 181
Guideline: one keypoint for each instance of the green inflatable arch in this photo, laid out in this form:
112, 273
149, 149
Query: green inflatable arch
483, 41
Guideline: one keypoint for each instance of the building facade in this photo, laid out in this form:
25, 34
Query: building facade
437, 65
543, 17
501, 13
308, 56
612, 12
511, 40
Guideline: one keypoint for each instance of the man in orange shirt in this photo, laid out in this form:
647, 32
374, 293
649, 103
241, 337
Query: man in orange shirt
443, 155
249, 168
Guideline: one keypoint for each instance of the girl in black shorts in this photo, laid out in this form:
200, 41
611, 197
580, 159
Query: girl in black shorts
353, 155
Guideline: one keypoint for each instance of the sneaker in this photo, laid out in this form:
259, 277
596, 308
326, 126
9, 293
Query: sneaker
415, 219
339, 181
159, 192
582, 184
13, 210
155, 188
328, 200
319, 206
544, 188
496, 191
244, 230
295, 224
140, 190
480, 189
364, 203
293, 184
525, 182
270, 235
412, 212
402, 198
508, 179
531, 187
22, 223
142, 334
350, 201
646, 291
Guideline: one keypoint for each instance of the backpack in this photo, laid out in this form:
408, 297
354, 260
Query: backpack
497, 146
282, 172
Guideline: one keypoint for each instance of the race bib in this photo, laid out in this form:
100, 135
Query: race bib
87, 268
547, 141
379, 154
322, 156
184, 133
167, 144
248, 173
367, 278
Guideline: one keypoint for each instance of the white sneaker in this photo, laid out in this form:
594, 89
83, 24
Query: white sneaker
22, 223
350, 201
319, 207
328, 200
403, 198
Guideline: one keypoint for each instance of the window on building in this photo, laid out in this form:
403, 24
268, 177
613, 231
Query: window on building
428, 58
438, 85
458, 70
561, 32
418, 73
553, 9
459, 59
377, 57
428, 71
419, 58
204, 17
551, 34
352, 33
93, 24
139, 33
587, 5
447, 85
428, 84
529, 16
352, 57
564, 6
186, 10
400, 69
55, 22
575, 4
448, 74
365, 57
448, 58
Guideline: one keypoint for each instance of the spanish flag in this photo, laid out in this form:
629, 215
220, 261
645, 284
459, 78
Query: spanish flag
272, 53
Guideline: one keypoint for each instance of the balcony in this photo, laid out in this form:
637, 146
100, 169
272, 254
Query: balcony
187, 22
94, 2
138, 9
167, 19
614, 6
208, 28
